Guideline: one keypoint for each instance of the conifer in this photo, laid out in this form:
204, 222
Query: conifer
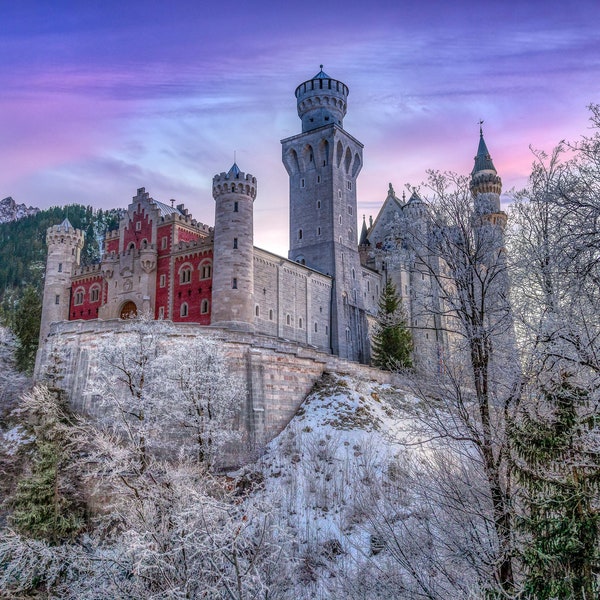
559, 477
392, 341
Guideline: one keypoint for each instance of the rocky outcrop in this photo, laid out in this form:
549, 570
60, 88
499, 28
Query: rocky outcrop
11, 211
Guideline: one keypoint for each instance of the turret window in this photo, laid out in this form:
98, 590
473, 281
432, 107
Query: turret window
318, 204
300, 323
57, 299
234, 284
60, 267
235, 243
257, 311
236, 206
270, 314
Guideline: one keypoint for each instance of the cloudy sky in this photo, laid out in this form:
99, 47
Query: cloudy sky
100, 98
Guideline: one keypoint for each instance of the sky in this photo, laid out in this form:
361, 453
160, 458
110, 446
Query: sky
98, 99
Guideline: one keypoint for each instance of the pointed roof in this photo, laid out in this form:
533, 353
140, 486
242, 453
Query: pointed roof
321, 74
414, 197
66, 225
483, 160
234, 171
364, 240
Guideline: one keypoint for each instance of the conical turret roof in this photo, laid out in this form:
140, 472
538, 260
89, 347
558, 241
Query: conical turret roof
364, 240
483, 160
321, 74
66, 225
234, 171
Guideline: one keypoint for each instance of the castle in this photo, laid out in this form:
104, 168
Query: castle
323, 296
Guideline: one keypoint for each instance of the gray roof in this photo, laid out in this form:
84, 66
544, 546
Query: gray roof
483, 160
364, 240
66, 225
414, 197
321, 74
165, 209
234, 171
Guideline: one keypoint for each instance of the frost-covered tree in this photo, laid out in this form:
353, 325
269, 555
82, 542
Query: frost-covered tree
47, 504
392, 342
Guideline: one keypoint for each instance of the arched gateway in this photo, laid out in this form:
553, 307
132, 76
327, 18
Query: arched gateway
129, 310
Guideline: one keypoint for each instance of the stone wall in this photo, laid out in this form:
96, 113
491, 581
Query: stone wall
278, 373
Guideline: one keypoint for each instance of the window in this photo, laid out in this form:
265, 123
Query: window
165, 242
60, 267
183, 311
235, 246
95, 294
299, 234
185, 274
138, 226
340, 194
318, 231
270, 314
236, 206
349, 209
205, 270
349, 185
318, 179
316, 327
79, 296
340, 219
302, 183
204, 307
318, 204
288, 320
163, 280
257, 311
131, 246
353, 273
161, 312
350, 235
326, 330
348, 335
300, 323
57, 299
234, 284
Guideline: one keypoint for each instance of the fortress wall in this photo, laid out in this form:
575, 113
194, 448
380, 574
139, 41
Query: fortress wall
278, 373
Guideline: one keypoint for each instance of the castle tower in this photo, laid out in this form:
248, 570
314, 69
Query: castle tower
64, 244
486, 187
323, 163
233, 274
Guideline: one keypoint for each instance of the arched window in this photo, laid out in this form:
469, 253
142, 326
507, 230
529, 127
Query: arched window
183, 311
204, 307
131, 246
95, 293
299, 234
300, 323
185, 273
288, 320
79, 294
206, 270
270, 314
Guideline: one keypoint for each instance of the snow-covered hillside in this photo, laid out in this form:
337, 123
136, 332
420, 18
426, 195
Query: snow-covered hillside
348, 484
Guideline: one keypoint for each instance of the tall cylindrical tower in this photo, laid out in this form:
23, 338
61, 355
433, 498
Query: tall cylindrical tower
64, 244
233, 270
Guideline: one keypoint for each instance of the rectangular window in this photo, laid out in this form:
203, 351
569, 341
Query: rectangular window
318, 179
60, 267
236, 206
349, 185
349, 210
234, 283
165, 242
161, 312
235, 243
138, 226
302, 183
163, 280
57, 299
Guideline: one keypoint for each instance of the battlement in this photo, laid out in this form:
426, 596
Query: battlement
95, 269
321, 101
65, 233
234, 182
486, 182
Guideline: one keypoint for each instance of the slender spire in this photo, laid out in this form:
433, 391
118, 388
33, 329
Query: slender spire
483, 160
364, 240
234, 171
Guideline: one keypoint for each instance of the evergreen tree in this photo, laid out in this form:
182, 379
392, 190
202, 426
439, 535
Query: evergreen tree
46, 504
558, 470
27, 328
392, 341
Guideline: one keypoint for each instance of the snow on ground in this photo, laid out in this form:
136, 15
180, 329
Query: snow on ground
333, 467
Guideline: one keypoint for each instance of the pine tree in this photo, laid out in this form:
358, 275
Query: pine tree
46, 504
27, 328
558, 471
392, 341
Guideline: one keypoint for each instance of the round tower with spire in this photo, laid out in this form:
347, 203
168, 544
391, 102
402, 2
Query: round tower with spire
321, 101
486, 186
233, 272
64, 244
